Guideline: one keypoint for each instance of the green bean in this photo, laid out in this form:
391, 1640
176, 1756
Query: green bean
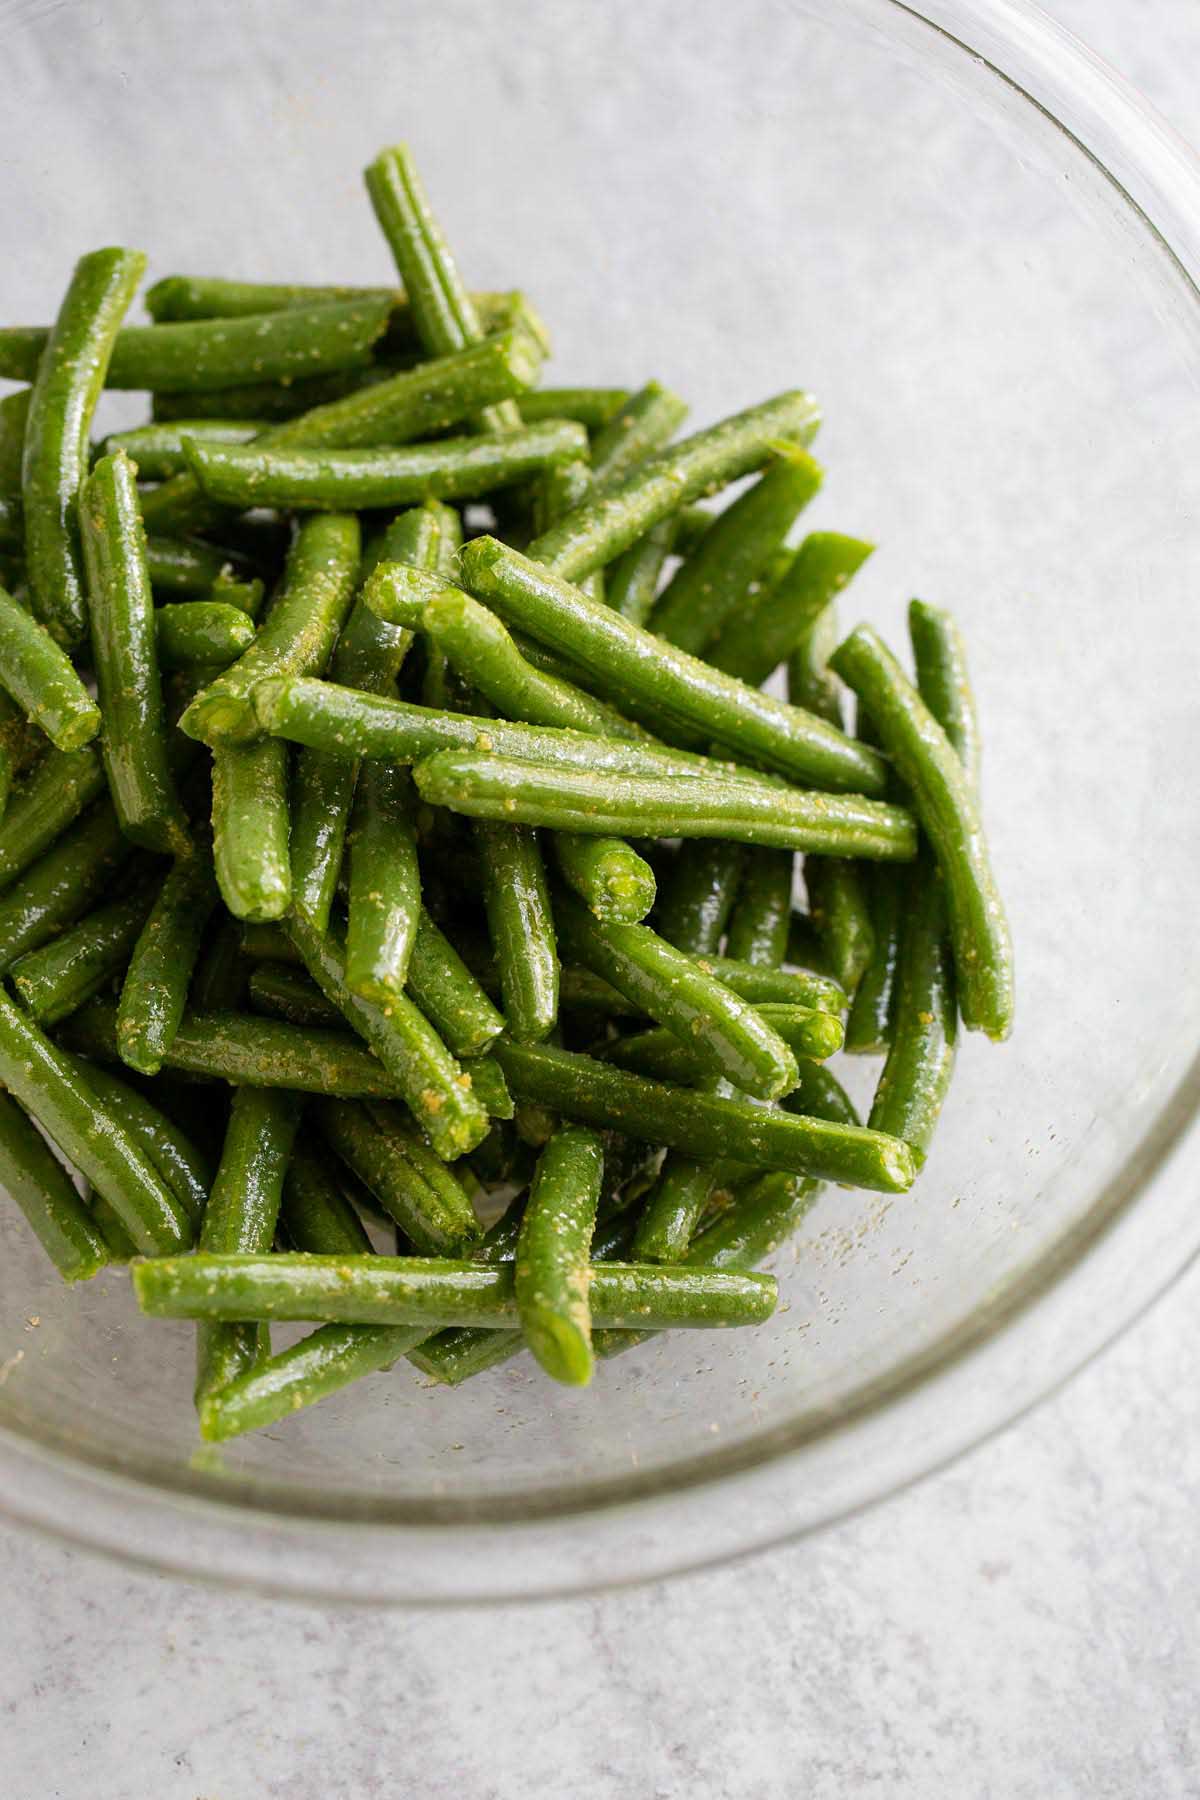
198, 354
133, 738
763, 986
631, 579
592, 407
456, 1354
726, 1035
484, 786
154, 992
201, 634
325, 1361
674, 1208
298, 634
246, 596
157, 449
14, 411
712, 584
68, 371
408, 403
646, 421
62, 884
46, 1195
443, 313
48, 1083
550, 1277
804, 947
215, 297
431, 1081
52, 795
758, 923
614, 517
756, 1224
219, 983
687, 690
315, 1215
349, 724
55, 980
250, 828
435, 1291
944, 682
183, 1167
35, 671
810, 680
840, 909
521, 927
944, 803
868, 1026
272, 403
448, 994
489, 1085
452, 469
287, 993
384, 899
698, 895
426, 1199
669, 1056
179, 567
613, 881
248, 1051
703, 1125
12, 526
240, 1217
480, 648
751, 645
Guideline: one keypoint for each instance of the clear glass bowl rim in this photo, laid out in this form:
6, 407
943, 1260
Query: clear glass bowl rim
709, 1509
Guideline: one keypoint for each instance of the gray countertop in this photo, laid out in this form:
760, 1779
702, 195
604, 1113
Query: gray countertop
1022, 1626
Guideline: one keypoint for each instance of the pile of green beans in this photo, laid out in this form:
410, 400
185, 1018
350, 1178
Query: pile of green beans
394, 795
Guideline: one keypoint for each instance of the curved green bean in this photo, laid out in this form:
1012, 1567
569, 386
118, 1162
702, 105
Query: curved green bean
41, 679
551, 1272
68, 373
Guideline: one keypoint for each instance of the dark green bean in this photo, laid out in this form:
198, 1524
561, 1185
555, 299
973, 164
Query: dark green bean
764, 986
712, 584
184, 1168
727, 1036
38, 675
157, 449
674, 1208
52, 795
755, 642
57, 979
133, 737
247, 596
248, 1051
68, 371
945, 805
550, 1276
316, 1215
298, 634
240, 1218
609, 876
62, 884
250, 828
840, 909
920, 1059
154, 992
201, 634
521, 927
37, 1182
668, 1056
758, 923
703, 1125
179, 567
319, 1365
264, 474
698, 895
48, 1083
198, 354
612, 518
435, 1291
448, 994
219, 983
868, 1026
687, 690
944, 682
426, 1199
631, 579
287, 993
485, 786
14, 411
443, 312
384, 896
431, 1081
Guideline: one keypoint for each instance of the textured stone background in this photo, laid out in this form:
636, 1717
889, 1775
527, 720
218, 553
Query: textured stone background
1022, 1627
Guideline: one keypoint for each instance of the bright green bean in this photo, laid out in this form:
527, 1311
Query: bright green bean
68, 373
550, 1277
38, 675
631, 579
384, 895
609, 876
185, 1169
647, 420
944, 682
521, 927
157, 449
448, 994
250, 828
37, 1182
201, 634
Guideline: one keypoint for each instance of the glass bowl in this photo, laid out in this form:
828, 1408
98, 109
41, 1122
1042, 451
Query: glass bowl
979, 249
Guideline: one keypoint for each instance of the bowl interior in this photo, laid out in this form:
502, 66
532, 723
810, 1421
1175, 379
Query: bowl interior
734, 200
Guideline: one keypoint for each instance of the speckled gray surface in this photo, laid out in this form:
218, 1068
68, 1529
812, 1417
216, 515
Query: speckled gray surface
1020, 1628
